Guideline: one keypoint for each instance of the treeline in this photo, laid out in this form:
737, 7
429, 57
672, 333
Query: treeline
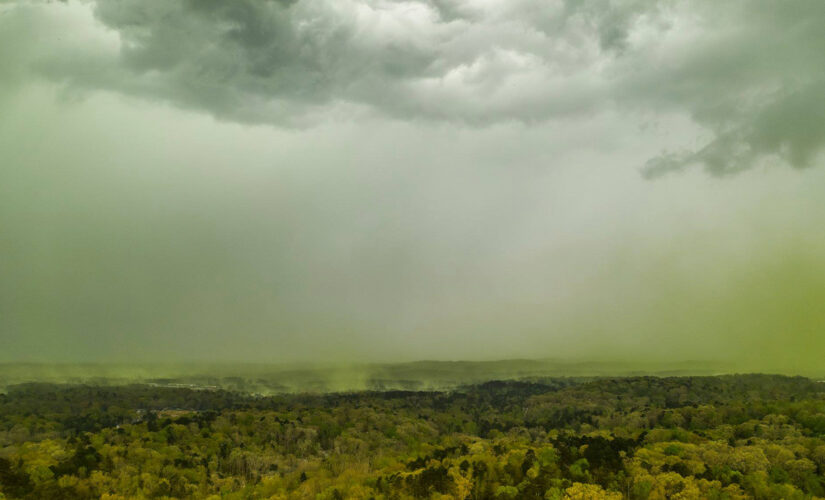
727, 437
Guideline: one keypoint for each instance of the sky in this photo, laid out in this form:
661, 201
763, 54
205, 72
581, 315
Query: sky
391, 180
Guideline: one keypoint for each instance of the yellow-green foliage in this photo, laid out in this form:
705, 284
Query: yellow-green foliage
642, 438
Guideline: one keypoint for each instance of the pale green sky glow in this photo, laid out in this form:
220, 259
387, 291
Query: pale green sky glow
376, 180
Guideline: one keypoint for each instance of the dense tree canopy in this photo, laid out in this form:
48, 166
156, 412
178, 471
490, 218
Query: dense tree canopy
729, 437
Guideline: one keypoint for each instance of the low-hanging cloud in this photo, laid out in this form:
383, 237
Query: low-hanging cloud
475, 197
750, 73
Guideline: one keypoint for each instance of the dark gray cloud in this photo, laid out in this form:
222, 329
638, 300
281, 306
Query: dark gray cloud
750, 73
755, 78
468, 188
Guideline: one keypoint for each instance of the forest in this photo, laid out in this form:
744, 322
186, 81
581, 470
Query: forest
716, 437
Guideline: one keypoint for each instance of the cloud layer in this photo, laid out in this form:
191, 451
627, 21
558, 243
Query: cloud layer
751, 74
424, 180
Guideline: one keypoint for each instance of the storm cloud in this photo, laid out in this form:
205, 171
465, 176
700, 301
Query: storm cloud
366, 180
750, 74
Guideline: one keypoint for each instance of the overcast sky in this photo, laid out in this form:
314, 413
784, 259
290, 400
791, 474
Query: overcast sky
386, 180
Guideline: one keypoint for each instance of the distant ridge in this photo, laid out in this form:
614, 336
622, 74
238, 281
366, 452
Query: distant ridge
276, 378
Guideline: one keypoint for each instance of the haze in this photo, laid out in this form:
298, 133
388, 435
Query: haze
358, 181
